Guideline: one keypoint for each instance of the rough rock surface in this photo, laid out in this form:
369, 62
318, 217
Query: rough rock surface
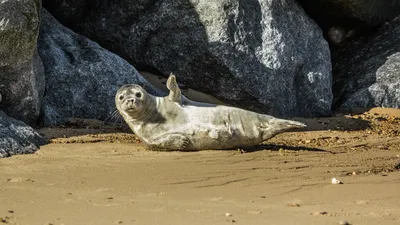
352, 13
21, 70
16, 137
263, 55
81, 77
367, 71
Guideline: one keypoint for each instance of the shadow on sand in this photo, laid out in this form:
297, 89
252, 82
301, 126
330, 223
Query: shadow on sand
273, 147
335, 123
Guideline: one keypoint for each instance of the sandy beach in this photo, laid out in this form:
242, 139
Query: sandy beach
97, 173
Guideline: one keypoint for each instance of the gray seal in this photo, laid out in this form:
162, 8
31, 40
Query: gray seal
175, 122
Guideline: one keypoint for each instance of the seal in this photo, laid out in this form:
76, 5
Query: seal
175, 122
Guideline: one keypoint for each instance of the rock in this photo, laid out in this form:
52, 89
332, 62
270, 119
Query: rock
351, 13
81, 77
21, 70
266, 56
345, 20
336, 181
336, 35
396, 166
16, 137
367, 71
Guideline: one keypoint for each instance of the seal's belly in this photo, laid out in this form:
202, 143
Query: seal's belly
220, 127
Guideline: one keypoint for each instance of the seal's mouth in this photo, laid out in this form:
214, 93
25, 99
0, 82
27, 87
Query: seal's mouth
129, 105
132, 107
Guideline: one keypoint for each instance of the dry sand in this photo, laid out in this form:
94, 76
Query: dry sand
94, 173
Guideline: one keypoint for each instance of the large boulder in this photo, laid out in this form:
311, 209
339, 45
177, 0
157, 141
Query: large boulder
344, 20
262, 55
21, 70
81, 77
352, 13
16, 137
367, 71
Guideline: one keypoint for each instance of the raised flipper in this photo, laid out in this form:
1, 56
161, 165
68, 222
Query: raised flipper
175, 94
170, 142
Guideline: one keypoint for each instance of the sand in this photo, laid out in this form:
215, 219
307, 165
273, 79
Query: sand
97, 173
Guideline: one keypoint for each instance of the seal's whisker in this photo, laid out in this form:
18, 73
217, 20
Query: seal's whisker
114, 117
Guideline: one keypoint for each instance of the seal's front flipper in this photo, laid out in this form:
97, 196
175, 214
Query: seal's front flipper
170, 142
175, 94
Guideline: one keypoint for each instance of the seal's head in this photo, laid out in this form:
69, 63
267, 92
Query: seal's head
132, 100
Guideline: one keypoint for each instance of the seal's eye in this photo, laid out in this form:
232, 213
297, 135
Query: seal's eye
121, 97
138, 94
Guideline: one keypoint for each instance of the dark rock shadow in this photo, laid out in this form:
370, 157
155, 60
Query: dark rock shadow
355, 67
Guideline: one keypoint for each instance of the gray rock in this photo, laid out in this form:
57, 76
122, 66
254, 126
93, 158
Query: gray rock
267, 56
81, 77
352, 13
21, 70
346, 20
16, 137
367, 71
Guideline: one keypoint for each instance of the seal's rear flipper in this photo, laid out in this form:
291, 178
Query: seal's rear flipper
175, 94
276, 126
287, 124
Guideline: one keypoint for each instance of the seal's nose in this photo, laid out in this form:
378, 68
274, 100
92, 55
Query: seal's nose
130, 101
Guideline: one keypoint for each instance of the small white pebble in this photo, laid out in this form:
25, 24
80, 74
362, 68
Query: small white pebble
228, 214
336, 181
354, 173
343, 222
